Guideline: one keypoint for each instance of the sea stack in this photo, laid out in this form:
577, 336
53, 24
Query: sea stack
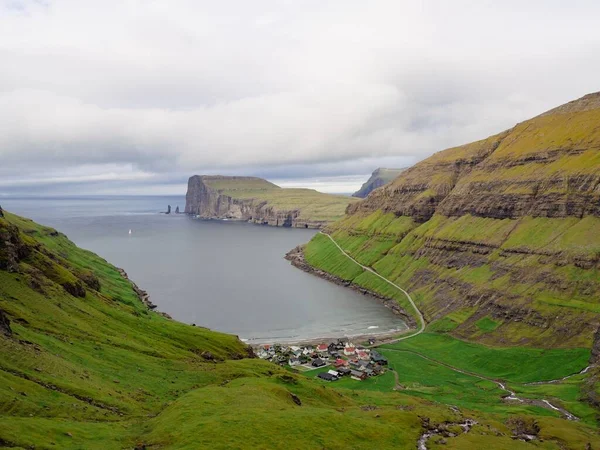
168, 209
177, 210
1, 212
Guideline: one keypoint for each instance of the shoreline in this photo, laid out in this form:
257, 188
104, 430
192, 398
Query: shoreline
296, 258
357, 338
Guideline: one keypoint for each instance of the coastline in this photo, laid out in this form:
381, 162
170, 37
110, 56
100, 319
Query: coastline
296, 258
379, 338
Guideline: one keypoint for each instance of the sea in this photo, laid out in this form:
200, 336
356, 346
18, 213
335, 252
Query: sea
225, 275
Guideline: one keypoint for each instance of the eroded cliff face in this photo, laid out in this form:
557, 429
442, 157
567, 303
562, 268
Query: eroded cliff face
205, 199
380, 177
499, 239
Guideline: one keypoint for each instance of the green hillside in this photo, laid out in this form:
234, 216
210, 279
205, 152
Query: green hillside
499, 240
85, 364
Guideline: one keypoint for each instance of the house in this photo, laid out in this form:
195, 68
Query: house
377, 358
318, 362
363, 364
358, 375
343, 371
332, 348
340, 363
334, 373
363, 355
370, 372
322, 348
348, 351
327, 376
294, 362
371, 341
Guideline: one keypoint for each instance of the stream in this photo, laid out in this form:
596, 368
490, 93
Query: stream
422, 442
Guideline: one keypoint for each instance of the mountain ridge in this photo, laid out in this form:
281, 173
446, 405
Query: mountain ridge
378, 178
505, 229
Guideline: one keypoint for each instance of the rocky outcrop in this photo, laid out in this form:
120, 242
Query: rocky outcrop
378, 178
5, 324
168, 209
12, 248
142, 294
255, 200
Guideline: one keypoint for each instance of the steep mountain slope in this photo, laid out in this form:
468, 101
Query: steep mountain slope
378, 178
498, 240
256, 200
85, 364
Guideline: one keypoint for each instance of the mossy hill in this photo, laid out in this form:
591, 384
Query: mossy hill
85, 364
378, 178
260, 201
498, 241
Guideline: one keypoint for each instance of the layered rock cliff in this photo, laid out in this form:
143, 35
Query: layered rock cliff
378, 178
498, 239
259, 201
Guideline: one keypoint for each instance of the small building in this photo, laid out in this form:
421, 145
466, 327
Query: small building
332, 348
348, 351
377, 358
363, 355
343, 371
327, 376
334, 373
318, 362
364, 364
322, 348
340, 363
358, 375
294, 362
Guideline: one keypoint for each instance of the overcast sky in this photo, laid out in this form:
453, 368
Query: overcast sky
134, 96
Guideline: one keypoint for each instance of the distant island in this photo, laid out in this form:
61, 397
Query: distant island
259, 201
378, 178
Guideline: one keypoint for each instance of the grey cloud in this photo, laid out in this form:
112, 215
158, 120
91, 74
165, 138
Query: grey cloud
128, 96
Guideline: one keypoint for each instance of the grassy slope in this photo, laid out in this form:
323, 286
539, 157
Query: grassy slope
518, 286
101, 371
313, 205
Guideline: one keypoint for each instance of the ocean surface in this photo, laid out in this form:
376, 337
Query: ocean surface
228, 276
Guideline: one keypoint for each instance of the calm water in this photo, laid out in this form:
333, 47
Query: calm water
227, 276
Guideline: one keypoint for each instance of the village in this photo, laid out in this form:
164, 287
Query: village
342, 358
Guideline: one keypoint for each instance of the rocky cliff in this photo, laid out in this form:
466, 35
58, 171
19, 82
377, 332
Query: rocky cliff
498, 239
378, 178
259, 201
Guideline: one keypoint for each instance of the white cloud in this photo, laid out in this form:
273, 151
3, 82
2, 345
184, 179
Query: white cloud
162, 89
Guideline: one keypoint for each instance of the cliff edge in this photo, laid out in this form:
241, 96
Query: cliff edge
379, 177
259, 201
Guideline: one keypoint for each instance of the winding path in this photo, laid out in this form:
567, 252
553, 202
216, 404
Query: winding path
511, 395
367, 268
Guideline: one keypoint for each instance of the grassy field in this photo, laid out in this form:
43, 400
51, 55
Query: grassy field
95, 369
516, 364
